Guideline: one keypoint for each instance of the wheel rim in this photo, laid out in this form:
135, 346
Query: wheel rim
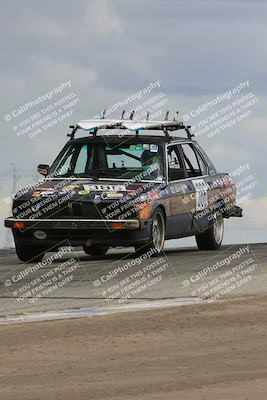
158, 232
218, 228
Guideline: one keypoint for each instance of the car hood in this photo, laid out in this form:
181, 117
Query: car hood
87, 188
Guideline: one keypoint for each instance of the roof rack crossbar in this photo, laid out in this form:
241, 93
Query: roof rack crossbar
92, 126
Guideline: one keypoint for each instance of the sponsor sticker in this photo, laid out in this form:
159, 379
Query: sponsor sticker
84, 192
201, 194
153, 148
36, 194
70, 188
183, 188
35, 208
47, 192
105, 188
114, 195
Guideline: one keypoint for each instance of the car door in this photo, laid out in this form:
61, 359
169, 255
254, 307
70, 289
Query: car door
198, 188
179, 221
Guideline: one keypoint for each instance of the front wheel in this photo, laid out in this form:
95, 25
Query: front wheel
95, 250
212, 238
28, 253
157, 235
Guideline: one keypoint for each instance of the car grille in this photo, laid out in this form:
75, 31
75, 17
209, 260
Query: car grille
90, 210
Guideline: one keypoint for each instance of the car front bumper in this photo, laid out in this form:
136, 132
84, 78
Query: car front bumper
78, 231
71, 224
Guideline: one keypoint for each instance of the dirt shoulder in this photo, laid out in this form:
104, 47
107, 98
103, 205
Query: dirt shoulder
189, 352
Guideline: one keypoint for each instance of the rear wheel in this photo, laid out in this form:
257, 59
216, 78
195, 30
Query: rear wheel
28, 253
157, 235
212, 238
95, 250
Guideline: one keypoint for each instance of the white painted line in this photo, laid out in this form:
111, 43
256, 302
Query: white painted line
95, 311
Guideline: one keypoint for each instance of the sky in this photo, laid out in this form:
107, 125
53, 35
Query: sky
111, 49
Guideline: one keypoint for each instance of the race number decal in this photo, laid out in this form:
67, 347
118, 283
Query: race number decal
201, 194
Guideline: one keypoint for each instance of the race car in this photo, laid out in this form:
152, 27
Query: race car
124, 183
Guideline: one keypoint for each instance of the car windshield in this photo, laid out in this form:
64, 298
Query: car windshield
142, 161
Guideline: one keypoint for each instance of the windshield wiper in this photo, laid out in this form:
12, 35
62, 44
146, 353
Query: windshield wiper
68, 175
92, 177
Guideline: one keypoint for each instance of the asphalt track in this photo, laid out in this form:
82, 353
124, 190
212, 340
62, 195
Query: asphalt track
120, 280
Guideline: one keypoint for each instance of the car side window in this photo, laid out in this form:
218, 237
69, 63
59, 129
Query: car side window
81, 160
192, 162
175, 164
202, 164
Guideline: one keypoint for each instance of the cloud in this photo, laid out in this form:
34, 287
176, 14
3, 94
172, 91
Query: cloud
100, 18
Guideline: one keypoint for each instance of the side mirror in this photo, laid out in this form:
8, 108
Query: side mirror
43, 169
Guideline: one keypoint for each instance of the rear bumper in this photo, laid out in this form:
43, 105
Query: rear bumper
72, 224
234, 211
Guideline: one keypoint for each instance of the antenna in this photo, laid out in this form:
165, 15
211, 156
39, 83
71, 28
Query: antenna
122, 115
132, 114
177, 112
147, 116
167, 115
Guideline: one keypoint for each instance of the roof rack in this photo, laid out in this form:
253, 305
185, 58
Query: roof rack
93, 125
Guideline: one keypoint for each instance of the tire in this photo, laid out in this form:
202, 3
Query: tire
212, 238
95, 250
28, 253
157, 235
